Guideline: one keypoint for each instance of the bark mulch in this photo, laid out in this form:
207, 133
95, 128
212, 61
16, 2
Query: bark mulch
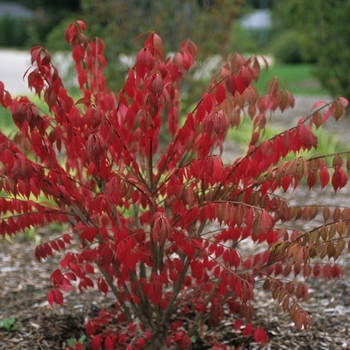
25, 283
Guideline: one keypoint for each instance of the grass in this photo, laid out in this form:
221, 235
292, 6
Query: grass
296, 78
6, 122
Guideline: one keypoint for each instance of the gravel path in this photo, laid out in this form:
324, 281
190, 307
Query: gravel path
13, 64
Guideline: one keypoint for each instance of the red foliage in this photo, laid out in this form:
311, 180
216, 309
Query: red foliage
160, 225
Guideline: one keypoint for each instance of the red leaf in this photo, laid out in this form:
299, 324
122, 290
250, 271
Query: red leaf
186, 341
238, 324
155, 84
337, 161
55, 296
96, 343
324, 177
220, 122
343, 101
140, 343
78, 54
260, 336
220, 93
306, 139
81, 24
286, 180
89, 268
209, 103
216, 313
219, 250
77, 269
245, 76
168, 341
318, 105
82, 79
89, 234
337, 110
248, 330
56, 276
144, 62
131, 260
102, 285
108, 343
234, 259
50, 298
311, 179
339, 179
65, 285
95, 148
161, 228
67, 238
231, 84
54, 246
240, 85
187, 60
266, 222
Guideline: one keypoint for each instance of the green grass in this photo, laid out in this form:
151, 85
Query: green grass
6, 122
296, 78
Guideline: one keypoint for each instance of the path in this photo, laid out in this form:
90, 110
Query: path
13, 64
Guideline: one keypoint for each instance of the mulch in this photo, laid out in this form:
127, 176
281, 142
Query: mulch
25, 283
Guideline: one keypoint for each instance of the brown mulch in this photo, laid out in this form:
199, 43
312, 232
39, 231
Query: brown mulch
25, 283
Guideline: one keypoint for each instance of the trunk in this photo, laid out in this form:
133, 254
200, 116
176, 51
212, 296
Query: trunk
158, 342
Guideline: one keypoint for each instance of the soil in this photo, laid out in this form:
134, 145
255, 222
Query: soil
25, 283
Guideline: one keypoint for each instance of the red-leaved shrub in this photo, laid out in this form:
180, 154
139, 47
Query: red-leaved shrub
160, 225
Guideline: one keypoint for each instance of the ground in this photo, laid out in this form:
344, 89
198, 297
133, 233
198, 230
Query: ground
25, 283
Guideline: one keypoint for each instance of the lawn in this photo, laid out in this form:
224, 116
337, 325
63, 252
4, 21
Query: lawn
297, 78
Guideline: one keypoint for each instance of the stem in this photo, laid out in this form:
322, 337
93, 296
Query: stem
150, 166
115, 291
199, 315
96, 74
176, 291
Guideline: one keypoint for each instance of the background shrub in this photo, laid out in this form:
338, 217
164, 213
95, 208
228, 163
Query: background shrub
285, 47
13, 31
324, 33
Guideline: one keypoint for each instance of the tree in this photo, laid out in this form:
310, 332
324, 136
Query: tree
47, 15
64, 5
324, 33
160, 226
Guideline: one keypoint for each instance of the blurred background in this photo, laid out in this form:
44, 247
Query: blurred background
306, 42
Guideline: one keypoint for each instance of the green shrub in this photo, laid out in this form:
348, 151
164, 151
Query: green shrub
324, 30
285, 47
54, 40
242, 40
13, 31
